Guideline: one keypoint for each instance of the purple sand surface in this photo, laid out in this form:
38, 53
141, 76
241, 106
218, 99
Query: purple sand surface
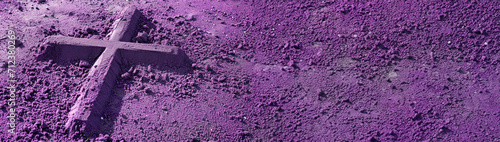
270, 71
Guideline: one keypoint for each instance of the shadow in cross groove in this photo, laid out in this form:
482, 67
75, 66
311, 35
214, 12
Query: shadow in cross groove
83, 56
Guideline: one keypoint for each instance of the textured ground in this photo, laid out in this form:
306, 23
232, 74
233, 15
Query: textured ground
272, 71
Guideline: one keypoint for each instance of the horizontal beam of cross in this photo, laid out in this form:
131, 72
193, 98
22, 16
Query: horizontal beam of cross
136, 53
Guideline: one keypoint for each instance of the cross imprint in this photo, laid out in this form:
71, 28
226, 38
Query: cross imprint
97, 87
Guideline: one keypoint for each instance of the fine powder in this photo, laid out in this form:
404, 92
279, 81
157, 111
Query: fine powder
261, 71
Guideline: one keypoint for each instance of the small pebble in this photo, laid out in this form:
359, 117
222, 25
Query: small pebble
142, 37
136, 71
221, 78
126, 75
290, 63
164, 77
142, 87
84, 64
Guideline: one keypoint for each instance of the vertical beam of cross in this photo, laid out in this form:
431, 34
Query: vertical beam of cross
101, 79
